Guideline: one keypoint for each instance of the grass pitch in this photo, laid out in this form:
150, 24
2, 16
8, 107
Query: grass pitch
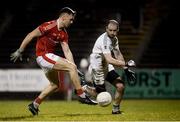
132, 110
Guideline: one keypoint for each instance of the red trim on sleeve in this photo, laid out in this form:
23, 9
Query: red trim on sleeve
40, 29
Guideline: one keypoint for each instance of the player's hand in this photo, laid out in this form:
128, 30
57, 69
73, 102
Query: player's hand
131, 78
130, 63
16, 55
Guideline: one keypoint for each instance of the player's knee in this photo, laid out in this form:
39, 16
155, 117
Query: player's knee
120, 86
73, 68
53, 86
100, 88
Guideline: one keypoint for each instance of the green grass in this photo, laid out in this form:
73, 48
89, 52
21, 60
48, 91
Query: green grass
133, 110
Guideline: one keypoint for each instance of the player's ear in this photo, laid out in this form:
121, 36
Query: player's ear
106, 28
117, 28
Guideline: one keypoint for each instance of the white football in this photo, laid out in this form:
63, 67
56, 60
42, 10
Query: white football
104, 99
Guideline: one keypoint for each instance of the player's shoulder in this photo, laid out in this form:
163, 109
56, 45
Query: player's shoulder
101, 37
49, 24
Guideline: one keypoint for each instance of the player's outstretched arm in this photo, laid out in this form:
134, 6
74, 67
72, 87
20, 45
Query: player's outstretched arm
29, 37
113, 61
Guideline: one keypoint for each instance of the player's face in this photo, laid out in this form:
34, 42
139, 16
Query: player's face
112, 30
68, 19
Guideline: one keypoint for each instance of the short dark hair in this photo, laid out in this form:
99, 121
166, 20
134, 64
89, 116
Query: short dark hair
67, 10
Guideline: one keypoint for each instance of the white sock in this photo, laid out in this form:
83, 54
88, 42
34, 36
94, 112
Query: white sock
36, 105
116, 107
83, 95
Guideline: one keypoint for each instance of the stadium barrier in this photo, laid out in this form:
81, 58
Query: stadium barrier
150, 83
25, 84
154, 83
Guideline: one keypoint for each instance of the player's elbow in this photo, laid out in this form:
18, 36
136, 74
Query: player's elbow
30, 36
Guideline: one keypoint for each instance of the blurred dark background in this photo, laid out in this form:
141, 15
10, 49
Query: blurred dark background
148, 29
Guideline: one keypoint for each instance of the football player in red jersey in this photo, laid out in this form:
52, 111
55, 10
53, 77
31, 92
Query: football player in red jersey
50, 34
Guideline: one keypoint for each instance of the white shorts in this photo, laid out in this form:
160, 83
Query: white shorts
99, 68
47, 61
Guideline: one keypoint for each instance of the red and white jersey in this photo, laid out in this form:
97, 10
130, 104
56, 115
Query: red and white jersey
50, 37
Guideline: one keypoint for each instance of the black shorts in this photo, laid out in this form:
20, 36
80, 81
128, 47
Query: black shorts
112, 76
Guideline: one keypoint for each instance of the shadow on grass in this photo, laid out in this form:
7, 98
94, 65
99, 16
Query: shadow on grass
15, 118
91, 114
79, 114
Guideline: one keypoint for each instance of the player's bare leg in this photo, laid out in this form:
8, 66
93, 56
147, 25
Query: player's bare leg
65, 65
46, 92
118, 96
52, 76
